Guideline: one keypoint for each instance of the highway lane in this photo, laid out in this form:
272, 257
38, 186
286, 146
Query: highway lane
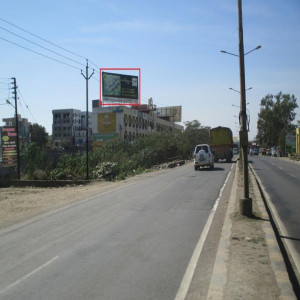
134, 242
281, 178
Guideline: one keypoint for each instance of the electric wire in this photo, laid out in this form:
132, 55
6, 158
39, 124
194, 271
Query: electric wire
45, 48
39, 53
26, 105
42, 38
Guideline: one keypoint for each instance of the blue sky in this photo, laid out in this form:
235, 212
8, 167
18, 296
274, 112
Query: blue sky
175, 43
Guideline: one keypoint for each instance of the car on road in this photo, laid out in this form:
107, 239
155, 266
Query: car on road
235, 151
255, 151
203, 157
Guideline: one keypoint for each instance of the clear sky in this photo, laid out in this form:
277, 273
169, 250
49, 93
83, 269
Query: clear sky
175, 43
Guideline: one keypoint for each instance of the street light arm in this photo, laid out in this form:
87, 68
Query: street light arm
258, 47
223, 51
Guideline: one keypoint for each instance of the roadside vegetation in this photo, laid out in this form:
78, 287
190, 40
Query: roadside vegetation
275, 120
118, 159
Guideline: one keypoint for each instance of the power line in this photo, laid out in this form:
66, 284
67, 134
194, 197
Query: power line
39, 53
42, 38
26, 105
42, 46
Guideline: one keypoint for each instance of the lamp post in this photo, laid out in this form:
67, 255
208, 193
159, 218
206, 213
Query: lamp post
250, 88
246, 201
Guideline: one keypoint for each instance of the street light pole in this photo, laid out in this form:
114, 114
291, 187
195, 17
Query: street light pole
246, 202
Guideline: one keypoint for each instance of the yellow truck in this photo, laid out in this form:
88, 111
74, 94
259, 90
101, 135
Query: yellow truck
221, 143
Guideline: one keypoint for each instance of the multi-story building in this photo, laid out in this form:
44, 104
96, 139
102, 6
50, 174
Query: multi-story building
127, 123
69, 127
23, 128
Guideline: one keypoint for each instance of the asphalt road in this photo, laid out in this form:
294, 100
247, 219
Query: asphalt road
281, 178
134, 242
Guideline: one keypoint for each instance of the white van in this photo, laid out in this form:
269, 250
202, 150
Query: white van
203, 157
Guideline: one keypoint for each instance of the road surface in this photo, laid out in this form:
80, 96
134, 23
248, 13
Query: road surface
134, 242
281, 179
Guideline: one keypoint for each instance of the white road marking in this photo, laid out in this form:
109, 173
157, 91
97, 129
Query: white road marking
187, 278
280, 168
29, 274
292, 175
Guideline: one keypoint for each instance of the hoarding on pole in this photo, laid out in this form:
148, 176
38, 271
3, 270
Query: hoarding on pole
9, 146
120, 89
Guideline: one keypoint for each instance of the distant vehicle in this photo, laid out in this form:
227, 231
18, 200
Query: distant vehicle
203, 157
263, 151
235, 151
255, 151
220, 141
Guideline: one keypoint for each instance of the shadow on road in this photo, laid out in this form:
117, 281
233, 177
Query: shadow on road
290, 238
211, 170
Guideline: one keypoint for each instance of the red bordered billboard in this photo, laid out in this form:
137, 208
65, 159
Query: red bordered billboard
120, 89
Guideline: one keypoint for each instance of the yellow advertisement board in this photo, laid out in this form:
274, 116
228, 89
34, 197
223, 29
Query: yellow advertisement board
107, 123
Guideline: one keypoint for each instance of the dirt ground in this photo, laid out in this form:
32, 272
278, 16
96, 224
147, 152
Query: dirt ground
17, 204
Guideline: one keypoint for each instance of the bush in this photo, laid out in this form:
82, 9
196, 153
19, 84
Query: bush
58, 174
39, 175
106, 170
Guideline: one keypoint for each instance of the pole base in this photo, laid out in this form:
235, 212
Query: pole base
246, 207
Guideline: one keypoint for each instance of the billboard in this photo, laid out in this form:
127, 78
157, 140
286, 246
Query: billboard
172, 112
120, 88
107, 122
290, 143
9, 146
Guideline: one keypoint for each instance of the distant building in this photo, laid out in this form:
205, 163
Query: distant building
69, 127
23, 128
127, 123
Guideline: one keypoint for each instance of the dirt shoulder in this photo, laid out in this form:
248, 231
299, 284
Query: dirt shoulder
18, 204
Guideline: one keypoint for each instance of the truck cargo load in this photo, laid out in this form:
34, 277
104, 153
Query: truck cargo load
221, 143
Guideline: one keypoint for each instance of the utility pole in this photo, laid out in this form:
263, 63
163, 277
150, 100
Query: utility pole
17, 126
87, 77
246, 202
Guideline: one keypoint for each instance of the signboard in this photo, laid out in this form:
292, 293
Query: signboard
120, 88
99, 139
290, 143
172, 112
104, 137
9, 146
107, 122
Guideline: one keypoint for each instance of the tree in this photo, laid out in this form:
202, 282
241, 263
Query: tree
38, 135
275, 119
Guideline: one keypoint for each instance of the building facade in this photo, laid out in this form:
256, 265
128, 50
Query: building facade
69, 127
126, 123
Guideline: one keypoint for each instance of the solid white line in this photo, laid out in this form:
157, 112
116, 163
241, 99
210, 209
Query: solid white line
187, 278
292, 175
28, 275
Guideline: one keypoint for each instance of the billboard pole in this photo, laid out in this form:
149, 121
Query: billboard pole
87, 77
17, 126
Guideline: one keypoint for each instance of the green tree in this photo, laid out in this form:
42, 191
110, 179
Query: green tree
275, 119
194, 134
35, 159
38, 135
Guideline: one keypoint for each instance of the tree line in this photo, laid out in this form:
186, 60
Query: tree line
275, 119
117, 159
